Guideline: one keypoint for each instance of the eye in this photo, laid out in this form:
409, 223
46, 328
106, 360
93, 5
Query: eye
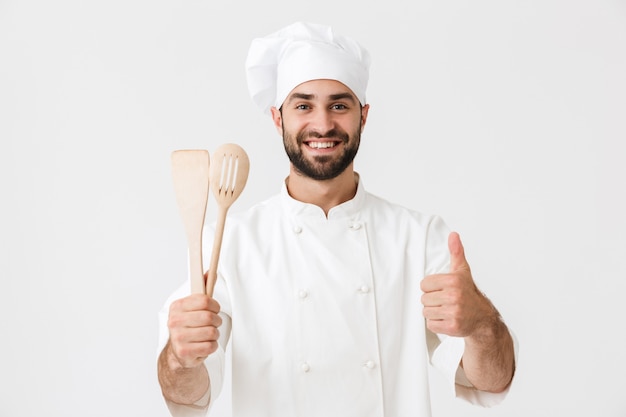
339, 106
303, 107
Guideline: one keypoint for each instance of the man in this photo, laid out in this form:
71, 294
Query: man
337, 300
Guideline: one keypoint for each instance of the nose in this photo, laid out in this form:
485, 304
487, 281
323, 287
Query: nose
321, 122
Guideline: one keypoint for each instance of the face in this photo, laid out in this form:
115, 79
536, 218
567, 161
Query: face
321, 123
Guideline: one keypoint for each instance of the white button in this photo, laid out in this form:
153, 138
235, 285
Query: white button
364, 289
303, 293
297, 229
370, 365
355, 226
305, 367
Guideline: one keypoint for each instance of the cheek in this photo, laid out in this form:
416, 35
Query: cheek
292, 129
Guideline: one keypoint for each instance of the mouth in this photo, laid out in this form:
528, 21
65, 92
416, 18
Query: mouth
321, 144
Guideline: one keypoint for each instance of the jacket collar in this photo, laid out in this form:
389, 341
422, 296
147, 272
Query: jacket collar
348, 209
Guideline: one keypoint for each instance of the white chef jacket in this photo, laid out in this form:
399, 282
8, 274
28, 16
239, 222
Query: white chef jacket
324, 312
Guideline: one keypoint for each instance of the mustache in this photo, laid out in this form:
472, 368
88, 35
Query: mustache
332, 133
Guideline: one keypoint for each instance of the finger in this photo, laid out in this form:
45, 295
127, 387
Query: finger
433, 313
437, 282
457, 253
432, 299
202, 318
199, 335
195, 302
190, 319
431, 283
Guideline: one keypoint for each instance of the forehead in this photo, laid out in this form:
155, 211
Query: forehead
322, 89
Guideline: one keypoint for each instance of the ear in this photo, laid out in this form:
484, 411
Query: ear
277, 118
364, 111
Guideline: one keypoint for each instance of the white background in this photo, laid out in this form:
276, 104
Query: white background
505, 117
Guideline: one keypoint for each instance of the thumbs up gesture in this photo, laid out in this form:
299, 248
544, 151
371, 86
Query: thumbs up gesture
452, 303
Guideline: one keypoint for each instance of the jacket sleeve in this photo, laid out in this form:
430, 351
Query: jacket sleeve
445, 352
215, 363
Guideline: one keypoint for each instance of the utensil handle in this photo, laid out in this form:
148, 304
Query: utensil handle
217, 247
196, 272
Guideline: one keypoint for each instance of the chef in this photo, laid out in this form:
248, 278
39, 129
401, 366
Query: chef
336, 302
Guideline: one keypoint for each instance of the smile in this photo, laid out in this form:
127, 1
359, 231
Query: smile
321, 145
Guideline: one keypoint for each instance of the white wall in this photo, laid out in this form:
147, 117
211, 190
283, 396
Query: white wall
507, 118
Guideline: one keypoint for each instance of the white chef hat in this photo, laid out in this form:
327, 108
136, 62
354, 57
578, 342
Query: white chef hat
301, 52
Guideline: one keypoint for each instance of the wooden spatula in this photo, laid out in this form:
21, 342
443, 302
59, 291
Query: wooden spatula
229, 172
190, 172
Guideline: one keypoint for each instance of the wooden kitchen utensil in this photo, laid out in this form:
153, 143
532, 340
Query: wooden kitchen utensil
229, 172
190, 172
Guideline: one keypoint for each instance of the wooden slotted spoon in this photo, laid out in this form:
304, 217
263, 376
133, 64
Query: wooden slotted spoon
190, 172
229, 173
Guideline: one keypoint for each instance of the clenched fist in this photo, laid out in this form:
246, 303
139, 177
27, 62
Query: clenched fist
193, 324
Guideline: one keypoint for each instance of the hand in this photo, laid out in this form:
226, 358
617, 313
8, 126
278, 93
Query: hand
193, 324
452, 303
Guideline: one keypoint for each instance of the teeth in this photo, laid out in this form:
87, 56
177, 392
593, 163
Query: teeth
321, 145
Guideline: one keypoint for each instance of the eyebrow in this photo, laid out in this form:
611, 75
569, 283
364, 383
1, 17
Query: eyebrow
332, 97
343, 96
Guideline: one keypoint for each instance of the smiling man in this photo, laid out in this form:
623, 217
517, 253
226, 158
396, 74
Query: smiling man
336, 302
327, 117
321, 123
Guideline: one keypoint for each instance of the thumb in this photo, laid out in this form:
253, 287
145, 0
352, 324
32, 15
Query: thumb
457, 253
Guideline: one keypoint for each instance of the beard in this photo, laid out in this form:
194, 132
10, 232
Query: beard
321, 167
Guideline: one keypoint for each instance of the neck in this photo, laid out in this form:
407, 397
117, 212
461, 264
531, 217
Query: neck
324, 194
